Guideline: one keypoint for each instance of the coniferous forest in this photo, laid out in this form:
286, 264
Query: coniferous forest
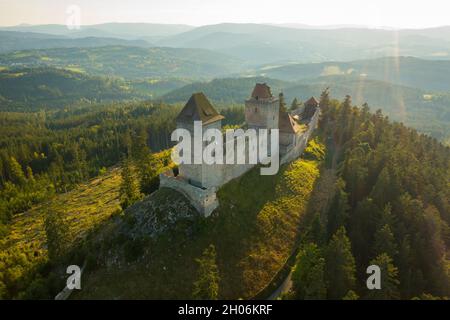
86, 118
390, 208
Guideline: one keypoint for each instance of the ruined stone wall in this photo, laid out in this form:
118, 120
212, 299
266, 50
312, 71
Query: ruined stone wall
203, 200
286, 138
302, 140
211, 177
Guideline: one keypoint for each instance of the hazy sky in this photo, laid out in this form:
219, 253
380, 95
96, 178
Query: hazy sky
394, 13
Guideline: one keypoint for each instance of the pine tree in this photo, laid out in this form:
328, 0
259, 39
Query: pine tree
317, 231
308, 278
389, 281
148, 174
206, 287
365, 111
385, 242
17, 175
282, 102
57, 231
340, 267
139, 148
351, 295
347, 104
325, 99
129, 188
338, 212
362, 227
128, 143
30, 175
379, 193
295, 104
355, 173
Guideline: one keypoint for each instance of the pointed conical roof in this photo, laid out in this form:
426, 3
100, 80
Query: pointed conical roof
198, 108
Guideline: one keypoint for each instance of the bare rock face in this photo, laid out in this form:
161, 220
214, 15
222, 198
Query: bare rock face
157, 213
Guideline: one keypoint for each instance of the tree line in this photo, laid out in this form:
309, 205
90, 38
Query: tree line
391, 208
48, 152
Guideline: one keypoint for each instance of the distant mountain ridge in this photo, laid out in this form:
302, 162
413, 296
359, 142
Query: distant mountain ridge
258, 44
14, 41
268, 43
130, 62
408, 71
429, 112
127, 31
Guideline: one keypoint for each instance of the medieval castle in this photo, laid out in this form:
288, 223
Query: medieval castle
200, 182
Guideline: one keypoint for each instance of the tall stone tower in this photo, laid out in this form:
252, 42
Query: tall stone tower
262, 109
198, 108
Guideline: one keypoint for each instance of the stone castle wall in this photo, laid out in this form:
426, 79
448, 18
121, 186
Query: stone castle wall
203, 200
296, 152
202, 194
263, 113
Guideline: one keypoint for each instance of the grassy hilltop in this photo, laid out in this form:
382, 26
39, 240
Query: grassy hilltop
254, 230
24, 249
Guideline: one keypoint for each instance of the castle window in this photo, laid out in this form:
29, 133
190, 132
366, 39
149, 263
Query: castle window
256, 110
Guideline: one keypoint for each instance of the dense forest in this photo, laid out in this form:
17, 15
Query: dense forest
45, 88
391, 208
43, 153
129, 62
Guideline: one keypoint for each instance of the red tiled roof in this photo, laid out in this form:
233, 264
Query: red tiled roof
261, 91
312, 102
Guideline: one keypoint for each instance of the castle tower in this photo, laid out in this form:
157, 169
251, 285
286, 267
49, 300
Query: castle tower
310, 108
262, 109
198, 108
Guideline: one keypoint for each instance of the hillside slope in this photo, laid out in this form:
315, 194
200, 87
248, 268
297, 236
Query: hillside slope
254, 230
23, 249
408, 71
259, 44
129, 62
152, 31
13, 41
227, 90
50, 87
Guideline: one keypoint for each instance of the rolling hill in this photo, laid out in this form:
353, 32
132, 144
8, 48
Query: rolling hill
259, 44
254, 234
227, 90
408, 71
13, 41
129, 62
256, 44
22, 89
129, 31
426, 111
